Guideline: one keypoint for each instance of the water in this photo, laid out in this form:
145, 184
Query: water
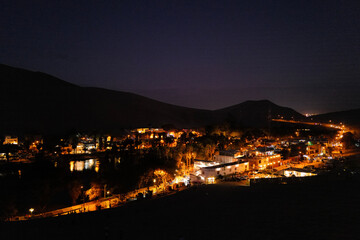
81, 165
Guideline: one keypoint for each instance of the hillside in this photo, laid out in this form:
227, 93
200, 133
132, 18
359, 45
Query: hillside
34, 102
350, 117
316, 208
37, 102
257, 113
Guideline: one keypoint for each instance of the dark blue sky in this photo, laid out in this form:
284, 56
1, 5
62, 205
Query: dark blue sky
203, 54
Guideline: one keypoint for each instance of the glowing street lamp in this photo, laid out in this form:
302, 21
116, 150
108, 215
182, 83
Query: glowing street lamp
31, 210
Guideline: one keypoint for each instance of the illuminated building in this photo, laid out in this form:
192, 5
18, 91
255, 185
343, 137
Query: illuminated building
297, 172
264, 151
208, 174
313, 150
264, 162
199, 164
227, 156
11, 140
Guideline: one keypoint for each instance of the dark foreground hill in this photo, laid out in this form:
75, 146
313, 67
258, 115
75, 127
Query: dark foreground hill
34, 102
316, 209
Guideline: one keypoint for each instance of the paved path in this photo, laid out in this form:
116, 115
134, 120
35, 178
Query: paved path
102, 203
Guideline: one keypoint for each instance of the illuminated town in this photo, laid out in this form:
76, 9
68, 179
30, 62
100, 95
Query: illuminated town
180, 120
190, 157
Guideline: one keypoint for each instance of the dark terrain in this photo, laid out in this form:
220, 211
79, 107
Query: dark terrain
37, 103
350, 117
320, 208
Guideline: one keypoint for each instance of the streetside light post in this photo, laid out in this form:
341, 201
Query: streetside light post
31, 210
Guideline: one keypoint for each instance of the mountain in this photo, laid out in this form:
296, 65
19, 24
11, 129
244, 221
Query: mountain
257, 113
350, 117
35, 102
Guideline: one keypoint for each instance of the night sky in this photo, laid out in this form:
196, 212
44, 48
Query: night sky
202, 54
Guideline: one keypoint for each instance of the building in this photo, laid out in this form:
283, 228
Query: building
11, 140
265, 162
313, 150
3, 156
297, 172
209, 174
199, 164
264, 151
228, 156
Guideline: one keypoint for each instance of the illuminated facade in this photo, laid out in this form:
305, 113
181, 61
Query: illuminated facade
199, 164
227, 156
11, 140
313, 150
208, 174
264, 162
297, 172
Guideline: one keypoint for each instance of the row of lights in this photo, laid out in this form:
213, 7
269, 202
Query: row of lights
269, 164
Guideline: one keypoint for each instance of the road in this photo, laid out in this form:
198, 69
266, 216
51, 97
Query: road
102, 203
328, 125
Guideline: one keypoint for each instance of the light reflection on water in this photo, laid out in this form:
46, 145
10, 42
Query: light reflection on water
81, 165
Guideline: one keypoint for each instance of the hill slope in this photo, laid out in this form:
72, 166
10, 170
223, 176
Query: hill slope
34, 102
350, 117
257, 113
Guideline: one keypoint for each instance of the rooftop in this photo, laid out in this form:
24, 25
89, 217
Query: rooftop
226, 164
228, 152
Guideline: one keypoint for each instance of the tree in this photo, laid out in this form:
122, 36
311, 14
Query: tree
161, 176
94, 192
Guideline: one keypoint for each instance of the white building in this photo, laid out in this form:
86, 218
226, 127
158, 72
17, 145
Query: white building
227, 156
208, 174
297, 172
199, 164
264, 151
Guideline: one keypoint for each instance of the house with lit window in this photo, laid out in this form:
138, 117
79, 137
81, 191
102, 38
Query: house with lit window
3, 156
264, 151
297, 172
209, 174
199, 164
11, 140
265, 162
316, 149
227, 156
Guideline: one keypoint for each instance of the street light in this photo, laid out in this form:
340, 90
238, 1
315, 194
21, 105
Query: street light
31, 210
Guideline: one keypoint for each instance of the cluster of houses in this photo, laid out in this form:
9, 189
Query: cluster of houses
141, 138
257, 155
148, 136
260, 158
